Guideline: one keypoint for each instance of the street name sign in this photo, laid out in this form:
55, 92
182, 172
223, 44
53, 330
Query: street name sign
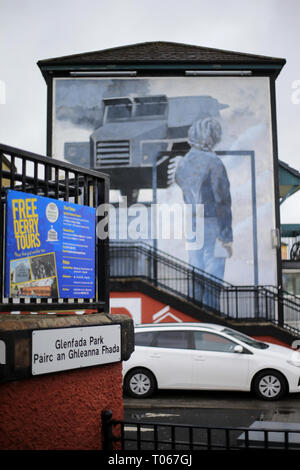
61, 349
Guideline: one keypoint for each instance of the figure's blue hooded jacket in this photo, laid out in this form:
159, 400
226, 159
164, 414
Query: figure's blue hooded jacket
203, 179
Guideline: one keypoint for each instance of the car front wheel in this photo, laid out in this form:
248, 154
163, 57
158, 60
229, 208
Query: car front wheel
140, 383
270, 385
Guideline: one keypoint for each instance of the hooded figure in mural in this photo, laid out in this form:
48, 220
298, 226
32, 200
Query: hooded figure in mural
203, 179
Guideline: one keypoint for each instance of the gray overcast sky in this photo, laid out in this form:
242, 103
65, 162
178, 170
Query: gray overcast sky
31, 30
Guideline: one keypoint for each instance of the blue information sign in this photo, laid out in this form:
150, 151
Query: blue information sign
50, 247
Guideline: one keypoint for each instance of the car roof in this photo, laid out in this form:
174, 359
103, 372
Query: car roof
210, 326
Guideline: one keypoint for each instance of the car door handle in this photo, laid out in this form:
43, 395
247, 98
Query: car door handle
155, 355
199, 358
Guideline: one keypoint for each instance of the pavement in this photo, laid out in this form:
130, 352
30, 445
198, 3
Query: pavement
222, 408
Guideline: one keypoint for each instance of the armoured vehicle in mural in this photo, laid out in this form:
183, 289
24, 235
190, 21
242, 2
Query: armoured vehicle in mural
141, 133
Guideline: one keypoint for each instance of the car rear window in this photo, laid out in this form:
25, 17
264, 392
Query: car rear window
164, 339
144, 338
173, 339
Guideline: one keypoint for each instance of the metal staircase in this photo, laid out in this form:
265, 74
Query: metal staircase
239, 303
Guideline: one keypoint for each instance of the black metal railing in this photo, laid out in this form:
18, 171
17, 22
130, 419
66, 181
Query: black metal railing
36, 174
290, 248
132, 260
131, 435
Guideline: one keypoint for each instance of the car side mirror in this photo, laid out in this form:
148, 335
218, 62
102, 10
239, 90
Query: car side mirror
238, 349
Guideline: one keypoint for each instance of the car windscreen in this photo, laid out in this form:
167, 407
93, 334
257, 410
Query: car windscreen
245, 339
118, 112
151, 106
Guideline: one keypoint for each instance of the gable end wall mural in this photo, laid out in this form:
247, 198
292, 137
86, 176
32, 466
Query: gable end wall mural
200, 144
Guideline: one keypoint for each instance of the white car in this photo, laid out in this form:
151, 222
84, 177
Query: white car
204, 356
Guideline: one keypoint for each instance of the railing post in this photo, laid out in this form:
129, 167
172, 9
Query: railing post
225, 289
266, 305
107, 435
154, 259
280, 307
193, 278
256, 302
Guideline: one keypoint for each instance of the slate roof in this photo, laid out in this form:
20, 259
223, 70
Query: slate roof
289, 180
162, 52
291, 174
